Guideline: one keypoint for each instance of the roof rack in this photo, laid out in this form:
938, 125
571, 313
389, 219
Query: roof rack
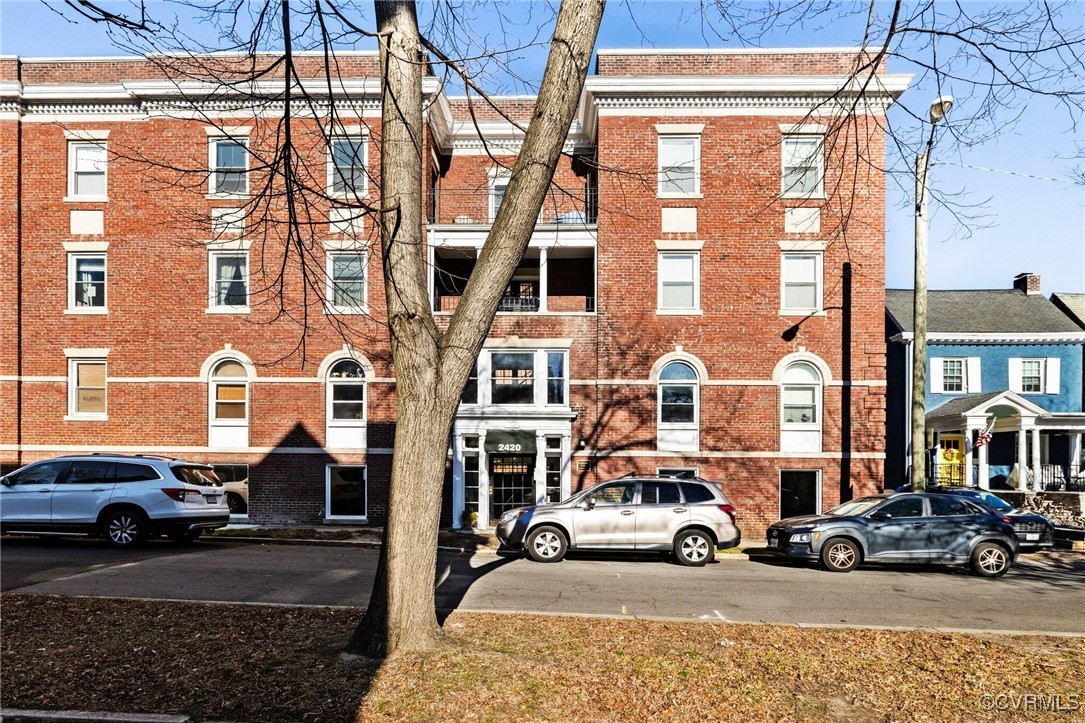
118, 454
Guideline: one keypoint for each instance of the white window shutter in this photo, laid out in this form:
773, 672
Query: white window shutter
1015, 375
1052, 385
973, 381
937, 369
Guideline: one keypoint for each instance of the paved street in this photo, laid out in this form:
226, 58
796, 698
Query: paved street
1043, 593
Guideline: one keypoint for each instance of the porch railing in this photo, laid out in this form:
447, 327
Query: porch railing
1061, 478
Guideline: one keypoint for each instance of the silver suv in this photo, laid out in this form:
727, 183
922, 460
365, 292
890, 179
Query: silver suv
124, 499
689, 517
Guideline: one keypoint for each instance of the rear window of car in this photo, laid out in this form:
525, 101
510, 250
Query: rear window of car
129, 472
199, 476
659, 493
945, 506
695, 493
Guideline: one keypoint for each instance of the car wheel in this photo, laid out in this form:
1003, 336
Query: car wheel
694, 548
187, 536
990, 559
546, 544
839, 555
236, 503
124, 528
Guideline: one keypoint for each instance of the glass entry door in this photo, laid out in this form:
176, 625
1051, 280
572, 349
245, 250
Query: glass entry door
512, 483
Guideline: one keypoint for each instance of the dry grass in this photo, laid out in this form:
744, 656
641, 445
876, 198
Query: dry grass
248, 663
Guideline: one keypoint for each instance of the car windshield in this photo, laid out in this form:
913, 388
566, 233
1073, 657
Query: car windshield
855, 507
995, 501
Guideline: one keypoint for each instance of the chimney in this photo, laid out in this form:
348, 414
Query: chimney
1029, 283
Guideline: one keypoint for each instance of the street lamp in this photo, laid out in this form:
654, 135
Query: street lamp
938, 110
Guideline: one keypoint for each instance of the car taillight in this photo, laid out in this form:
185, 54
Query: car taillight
730, 510
1007, 520
179, 494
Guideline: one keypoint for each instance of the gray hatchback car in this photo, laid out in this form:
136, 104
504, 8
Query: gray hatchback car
124, 499
688, 517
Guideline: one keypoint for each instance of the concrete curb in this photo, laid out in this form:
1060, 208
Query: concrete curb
14, 715
368, 544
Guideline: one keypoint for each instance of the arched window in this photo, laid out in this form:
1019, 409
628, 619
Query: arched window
801, 413
346, 392
678, 394
230, 392
346, 404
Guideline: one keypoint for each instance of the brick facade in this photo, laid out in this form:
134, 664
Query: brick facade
597, 246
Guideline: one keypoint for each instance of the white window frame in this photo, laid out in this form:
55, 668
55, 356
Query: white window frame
329, 405
212, 394
818, 138
1050, 375
695, 383
679, 310
74, 362
73, 263
780, 488
349, 137
819, 399
819, 282
80, 140
683, 134
540, 380
1042, 376
331, 306
970, 375
213, 307
498, 177
671, 471
328, 492
212, 161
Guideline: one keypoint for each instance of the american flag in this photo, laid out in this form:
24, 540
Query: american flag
986, 434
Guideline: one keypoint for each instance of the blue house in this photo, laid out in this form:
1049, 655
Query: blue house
1004, 361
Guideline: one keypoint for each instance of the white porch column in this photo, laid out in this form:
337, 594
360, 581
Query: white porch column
1022, 457
483, 481
967, 457
1075, 449
984, 469
540, 467
544, 286
1036, 459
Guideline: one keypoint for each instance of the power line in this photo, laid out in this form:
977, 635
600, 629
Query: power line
1007, 173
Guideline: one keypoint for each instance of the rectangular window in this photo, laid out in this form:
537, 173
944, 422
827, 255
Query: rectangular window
803, 164
1032, 376
801, 277
346, 282
512, 378
87, 388
677, 404
680, 472
953, 375
679, 165
470, 482
679, 282
348, 167
553, 475
87, 164
346, 491
800, 492
555, 377
800, 405
229, 167
230, 401
229, 281
470, 390
86, 285
498, 187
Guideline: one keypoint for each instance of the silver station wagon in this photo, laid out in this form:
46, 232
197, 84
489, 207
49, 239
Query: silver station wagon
688, 517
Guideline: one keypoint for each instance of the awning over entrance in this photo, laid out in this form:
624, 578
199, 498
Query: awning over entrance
510, 442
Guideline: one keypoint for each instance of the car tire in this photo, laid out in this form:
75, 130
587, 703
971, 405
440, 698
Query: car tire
839, 555
237, 504
990, 559
694, 548
186, 536
546, 544
125, 528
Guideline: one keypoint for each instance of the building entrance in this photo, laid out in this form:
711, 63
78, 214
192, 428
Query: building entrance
512, 483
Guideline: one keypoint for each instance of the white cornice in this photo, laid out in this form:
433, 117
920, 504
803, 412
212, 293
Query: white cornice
1069, 337
893, 84
724, 51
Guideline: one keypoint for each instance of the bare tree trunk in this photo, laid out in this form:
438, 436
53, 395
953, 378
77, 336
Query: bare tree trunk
431, 368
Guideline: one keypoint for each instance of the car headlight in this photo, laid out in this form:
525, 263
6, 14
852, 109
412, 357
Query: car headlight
801, 537
512, 515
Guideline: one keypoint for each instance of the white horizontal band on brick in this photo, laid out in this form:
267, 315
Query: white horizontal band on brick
703, 454
129, 449
515, 342
187, 380
86, 247
721, 383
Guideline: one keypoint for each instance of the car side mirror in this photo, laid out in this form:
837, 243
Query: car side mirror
880, 516
6, 481
589, 504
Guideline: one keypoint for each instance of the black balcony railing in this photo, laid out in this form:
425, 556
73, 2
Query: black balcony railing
1061, 478
518, 303
479, 205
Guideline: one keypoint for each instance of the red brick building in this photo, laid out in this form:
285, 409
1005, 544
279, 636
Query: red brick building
704, 290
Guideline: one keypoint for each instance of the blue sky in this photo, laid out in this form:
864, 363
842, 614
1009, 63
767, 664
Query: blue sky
1026, 215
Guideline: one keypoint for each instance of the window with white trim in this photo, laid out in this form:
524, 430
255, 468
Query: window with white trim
346, 166
1036, 375
801, 281
678, 395
346, 492
1032, 376
803, 166
525, 377
679, 281
230, 393
953, 375
229, 281
229, 166
86, 283
87, 388
87, 170
801, 396
499, 184
679, 165
346, 394
512, 378
346, 282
